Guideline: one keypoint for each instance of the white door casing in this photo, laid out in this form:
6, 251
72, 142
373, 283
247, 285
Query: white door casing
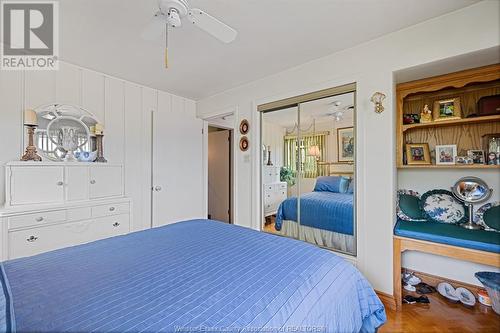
219, 175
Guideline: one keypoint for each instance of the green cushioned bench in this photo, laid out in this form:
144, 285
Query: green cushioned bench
449, 234
449, 240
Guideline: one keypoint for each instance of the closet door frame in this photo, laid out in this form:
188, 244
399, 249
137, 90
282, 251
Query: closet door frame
296, 101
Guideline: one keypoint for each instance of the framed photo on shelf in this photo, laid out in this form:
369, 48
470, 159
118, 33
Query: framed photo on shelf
446, 154
448, 109
345, 144
476, 155
418, 153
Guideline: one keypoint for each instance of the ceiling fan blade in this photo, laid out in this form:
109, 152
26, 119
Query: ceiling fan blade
155, 28
212, 25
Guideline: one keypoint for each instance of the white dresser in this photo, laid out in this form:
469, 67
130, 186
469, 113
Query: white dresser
274, 191
55, 205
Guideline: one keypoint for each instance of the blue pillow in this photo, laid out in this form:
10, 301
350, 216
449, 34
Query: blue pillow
350, 190
334, 184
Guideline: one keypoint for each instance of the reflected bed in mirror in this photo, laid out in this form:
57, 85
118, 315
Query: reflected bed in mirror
308, 173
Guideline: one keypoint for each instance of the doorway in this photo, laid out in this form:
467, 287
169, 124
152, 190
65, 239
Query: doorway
220, 174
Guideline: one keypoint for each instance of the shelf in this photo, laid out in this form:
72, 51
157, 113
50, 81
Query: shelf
433, 166
465, 121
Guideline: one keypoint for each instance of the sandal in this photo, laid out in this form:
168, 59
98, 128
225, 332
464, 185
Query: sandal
412, 300
424, 288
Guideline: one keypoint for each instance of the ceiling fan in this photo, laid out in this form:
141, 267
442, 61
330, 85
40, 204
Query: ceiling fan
172, 13
337, 112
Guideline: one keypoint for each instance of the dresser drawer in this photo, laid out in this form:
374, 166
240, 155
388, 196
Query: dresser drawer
110, 226
36, 219
111, 209
25, 243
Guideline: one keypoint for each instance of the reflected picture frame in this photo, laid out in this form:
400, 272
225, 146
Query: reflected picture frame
345, 145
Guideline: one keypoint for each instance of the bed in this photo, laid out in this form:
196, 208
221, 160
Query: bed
326, 215
197, 275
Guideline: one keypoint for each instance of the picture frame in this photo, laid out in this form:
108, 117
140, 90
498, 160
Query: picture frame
244, 127
244, 144
477, 156
345, 145
447, 109
446, 154
418, 154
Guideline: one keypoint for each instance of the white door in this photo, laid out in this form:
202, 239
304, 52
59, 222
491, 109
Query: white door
177, 161
77, 183
106, 181
219, 175
36, 185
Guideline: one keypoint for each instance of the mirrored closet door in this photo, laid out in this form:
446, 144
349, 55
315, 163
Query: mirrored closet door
308, 169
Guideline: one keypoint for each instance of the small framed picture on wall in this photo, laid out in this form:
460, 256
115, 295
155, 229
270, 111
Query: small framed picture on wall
446, 154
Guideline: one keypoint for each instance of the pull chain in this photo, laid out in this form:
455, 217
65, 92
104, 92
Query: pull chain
166, 45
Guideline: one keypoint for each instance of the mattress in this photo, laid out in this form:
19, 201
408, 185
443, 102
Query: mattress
323, 210
190, 276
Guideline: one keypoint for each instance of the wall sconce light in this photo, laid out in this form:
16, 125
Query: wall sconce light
377, 99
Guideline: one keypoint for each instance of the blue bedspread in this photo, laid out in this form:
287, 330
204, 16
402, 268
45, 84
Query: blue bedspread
196, 276
322, 210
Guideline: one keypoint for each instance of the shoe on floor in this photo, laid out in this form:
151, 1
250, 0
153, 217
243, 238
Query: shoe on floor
466, 297
424, 288
446, 290
412, 300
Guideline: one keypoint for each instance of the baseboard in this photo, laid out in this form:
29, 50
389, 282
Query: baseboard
434, 280
388, 300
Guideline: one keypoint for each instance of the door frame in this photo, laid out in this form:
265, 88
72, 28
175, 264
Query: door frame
216, 120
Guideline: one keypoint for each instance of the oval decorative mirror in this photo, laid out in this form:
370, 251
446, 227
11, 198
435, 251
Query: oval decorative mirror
471, 190
64, 132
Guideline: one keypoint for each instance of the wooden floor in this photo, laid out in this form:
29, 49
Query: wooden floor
441, 316
438, 316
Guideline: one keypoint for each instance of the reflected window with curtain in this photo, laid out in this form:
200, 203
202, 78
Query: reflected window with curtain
312, 149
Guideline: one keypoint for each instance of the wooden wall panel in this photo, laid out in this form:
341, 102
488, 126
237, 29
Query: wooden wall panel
149, 107
68, 84
133, 148
93, 94
40, 88
114, 148
465, 137
11, 129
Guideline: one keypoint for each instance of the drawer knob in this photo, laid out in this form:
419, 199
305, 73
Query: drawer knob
59, 183
31, 239
92, 181
39, 219
112, 209
116, 224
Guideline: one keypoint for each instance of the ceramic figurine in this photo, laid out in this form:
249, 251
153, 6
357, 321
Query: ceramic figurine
426, 115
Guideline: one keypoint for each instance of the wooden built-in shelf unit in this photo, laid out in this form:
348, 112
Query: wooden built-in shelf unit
470, 85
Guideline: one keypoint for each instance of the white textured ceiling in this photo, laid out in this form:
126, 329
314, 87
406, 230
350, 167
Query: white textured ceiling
274, 35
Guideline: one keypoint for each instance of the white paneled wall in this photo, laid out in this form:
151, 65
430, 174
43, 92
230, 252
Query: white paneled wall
126, 110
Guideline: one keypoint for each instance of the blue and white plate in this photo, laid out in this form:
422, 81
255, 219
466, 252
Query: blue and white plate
478, 216
441, 206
